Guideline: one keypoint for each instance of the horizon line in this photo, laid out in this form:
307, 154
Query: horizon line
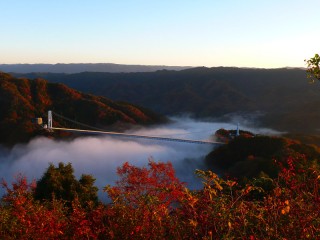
146, 65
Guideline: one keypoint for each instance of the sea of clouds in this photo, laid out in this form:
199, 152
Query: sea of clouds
100, 155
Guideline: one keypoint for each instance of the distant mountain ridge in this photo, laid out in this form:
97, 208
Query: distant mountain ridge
83, 67
282, 97
22, 99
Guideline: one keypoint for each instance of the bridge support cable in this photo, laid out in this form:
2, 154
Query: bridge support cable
117, 134
76, 122
127, 135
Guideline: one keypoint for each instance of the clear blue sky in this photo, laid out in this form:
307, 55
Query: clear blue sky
242, 33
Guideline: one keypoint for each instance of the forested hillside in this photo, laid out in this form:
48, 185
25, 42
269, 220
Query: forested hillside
22, 99
283, 98
250, 156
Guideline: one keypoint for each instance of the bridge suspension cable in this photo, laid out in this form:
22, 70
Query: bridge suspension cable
76, 122
117, 134
127, 135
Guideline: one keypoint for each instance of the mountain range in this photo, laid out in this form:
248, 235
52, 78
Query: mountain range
22, 100
83, 67
281, 99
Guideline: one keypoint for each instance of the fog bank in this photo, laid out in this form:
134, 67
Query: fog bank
100, 156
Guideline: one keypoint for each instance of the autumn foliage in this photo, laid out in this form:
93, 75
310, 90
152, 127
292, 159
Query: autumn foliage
144, 200
151, 203
22, 100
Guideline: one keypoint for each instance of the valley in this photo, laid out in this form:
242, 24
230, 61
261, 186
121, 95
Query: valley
281, 99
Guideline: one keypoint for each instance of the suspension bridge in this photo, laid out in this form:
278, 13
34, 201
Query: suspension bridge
96, 131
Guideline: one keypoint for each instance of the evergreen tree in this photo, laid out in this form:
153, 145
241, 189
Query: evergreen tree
60, 183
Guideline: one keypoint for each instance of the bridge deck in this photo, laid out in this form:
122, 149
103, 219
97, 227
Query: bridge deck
116, 134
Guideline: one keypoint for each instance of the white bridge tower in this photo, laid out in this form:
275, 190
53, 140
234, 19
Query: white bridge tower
49, 119
238, 131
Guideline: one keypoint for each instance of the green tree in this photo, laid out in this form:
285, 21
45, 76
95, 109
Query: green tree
313, 70
60, 183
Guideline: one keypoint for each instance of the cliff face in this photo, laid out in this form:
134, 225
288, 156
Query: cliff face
22, 99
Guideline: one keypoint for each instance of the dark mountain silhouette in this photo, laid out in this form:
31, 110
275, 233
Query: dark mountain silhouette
22, 99
83, 67
283, 97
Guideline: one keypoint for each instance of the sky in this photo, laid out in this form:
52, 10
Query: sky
240, 33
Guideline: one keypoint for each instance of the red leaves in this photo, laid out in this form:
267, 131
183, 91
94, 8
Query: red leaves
143, 200
158, 182
26, 218
151, 203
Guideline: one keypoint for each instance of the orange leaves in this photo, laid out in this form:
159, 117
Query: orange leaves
277, 192
211, 180
150, 203
193, 223
231, 183
190, 198
247, 190
285, 210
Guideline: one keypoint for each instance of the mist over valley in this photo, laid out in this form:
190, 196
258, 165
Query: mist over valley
159, 120
100, 156
209, 99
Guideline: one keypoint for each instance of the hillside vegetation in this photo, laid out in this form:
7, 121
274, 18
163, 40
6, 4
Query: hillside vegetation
151, 203
250, 156
22, 99
282, 98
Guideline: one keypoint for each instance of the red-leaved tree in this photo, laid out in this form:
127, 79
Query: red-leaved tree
143, 201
